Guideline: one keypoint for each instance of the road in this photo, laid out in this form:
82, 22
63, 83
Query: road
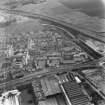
70, 28
60, 23
75, 31
46, 72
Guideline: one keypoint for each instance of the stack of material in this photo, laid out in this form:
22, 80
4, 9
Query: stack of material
75, 94
50, 86
63, 78
71, 77
38, 90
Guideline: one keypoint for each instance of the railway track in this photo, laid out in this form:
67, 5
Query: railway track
50, 71
70, 27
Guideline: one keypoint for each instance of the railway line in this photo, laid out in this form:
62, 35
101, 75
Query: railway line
51, 71
73, 30
70, 27
73, 33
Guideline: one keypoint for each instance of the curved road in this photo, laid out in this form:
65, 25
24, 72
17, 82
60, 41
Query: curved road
70, 27
66, 26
